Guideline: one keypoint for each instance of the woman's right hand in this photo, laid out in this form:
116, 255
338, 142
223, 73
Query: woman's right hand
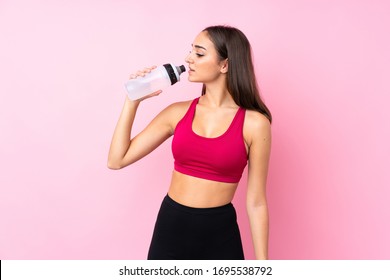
142, 73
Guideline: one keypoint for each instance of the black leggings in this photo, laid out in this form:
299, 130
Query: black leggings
187, 233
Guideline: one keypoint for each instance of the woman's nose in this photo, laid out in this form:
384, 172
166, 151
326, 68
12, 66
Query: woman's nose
188, 58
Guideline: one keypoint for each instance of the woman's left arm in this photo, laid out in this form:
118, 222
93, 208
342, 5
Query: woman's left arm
257, 133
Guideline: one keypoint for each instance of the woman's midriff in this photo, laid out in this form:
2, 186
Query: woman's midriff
200, 193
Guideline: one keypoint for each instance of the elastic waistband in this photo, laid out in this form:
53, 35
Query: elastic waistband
194, 210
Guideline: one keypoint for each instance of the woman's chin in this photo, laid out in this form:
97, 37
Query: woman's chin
194, 80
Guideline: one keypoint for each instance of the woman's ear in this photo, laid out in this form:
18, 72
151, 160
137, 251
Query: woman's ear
224, 66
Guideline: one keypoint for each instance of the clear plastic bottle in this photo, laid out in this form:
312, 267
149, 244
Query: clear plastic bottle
158, 79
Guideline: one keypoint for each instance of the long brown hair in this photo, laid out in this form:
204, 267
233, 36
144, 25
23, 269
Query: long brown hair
232, 44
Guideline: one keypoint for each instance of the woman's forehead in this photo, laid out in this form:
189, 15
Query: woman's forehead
202, 40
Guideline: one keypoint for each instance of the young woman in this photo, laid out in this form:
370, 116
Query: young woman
214, 137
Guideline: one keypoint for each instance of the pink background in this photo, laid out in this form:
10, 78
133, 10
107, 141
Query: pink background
323, 68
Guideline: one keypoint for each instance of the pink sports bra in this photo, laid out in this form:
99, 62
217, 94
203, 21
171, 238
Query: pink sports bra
221, 159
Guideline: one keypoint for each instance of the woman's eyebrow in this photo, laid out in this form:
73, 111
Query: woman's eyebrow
199, 47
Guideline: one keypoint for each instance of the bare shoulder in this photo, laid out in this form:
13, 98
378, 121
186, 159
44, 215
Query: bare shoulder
256, 121
256, 127
177, 110
178, 107
173, 113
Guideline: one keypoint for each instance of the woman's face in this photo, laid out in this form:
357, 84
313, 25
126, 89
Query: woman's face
203, 61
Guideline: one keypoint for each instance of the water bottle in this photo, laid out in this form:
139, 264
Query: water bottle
158, 79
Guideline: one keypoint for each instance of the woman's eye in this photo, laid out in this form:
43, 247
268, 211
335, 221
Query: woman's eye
197, 54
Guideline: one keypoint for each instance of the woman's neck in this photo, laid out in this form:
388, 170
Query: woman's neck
217, 96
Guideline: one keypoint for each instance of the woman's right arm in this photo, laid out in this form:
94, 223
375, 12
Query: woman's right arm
125, 150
